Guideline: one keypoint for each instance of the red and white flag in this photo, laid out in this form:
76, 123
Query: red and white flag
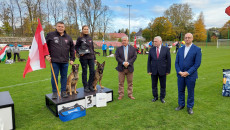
37, 53
135, 42
227, 10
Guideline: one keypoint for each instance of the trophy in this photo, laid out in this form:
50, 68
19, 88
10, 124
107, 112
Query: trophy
84, 48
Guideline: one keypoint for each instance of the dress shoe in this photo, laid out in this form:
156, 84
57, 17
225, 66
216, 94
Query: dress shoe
54, 95
162, 100
131, 97
154, 99
190, 111
120, 97
91, 89
64, 94
86, 89
179, 108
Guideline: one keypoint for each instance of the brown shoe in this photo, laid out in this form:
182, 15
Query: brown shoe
120, 97
131, 97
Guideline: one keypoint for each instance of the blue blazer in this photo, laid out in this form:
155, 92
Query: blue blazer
190, 63
162, 65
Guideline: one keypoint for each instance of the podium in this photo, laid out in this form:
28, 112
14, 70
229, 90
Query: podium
7, 117
55, 105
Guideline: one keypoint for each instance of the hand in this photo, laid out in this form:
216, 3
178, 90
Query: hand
95, 61
81, 54
150, 73
167, 73
48, 58
185, 74
71, 62
126, 64
180, 73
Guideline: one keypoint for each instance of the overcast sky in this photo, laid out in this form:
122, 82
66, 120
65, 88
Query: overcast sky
142, 11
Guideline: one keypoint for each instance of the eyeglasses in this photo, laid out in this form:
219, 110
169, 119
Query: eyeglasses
188, 38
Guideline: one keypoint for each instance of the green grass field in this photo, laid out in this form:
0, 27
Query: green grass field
211, 110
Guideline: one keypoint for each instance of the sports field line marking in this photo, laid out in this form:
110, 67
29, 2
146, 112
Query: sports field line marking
28, 82
24, 83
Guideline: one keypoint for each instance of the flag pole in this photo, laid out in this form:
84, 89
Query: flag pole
51, 66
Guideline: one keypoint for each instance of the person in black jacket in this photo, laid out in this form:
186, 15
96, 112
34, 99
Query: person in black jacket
177, 46
61, 49
159, 66
84, 47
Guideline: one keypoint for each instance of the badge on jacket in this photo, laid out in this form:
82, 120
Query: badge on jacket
56, 39
66, 41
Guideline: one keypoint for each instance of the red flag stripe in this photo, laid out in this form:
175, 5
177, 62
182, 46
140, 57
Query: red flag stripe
39, 50
227, 10
3, 50
27, 68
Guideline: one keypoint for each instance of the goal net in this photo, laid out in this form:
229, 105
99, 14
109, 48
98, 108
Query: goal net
223, 43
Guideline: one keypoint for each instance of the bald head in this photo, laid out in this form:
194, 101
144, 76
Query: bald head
188, 38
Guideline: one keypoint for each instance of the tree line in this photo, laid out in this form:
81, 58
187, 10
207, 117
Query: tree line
178, 20
19, 17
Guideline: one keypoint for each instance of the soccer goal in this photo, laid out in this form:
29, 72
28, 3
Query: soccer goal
223, 43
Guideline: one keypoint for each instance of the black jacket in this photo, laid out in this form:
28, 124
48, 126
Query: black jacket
132, 55
89, 43
61, 48
162, 65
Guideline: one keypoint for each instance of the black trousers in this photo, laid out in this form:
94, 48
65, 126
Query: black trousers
110, 52
84, 64
104, 53
8, 55
162, 84
177, 49
16, 54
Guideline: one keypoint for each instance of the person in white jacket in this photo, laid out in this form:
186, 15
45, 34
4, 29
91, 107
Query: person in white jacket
16, 51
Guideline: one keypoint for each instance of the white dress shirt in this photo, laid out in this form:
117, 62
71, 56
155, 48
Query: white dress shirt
187, 48
159, 50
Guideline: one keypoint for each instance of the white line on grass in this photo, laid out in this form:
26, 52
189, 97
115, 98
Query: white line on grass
29, 82
25, 83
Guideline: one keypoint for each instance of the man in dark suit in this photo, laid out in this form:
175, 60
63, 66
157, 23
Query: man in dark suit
188, 60
125, 56
159, 65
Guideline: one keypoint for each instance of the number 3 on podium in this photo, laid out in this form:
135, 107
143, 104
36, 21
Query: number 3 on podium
89, 101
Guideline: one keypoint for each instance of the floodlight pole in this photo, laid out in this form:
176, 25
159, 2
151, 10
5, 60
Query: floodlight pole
129, 22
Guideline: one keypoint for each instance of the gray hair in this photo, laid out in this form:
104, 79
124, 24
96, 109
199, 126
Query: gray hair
124, 38
159, 38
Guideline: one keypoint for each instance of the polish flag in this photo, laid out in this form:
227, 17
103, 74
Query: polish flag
37, 53
135, 42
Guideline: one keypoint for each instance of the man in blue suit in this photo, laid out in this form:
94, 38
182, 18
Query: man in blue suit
159, 65
188, 60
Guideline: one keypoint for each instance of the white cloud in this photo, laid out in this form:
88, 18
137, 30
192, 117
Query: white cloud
117, 8
135, 23
197, 3
215, 18
158, 9
143, 1
213, 10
